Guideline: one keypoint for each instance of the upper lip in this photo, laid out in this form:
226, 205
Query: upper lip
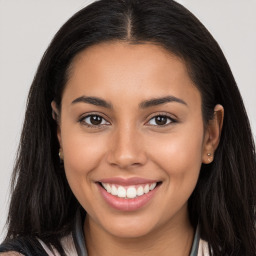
127, 181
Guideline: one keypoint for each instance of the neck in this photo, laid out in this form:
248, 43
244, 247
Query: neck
165, 241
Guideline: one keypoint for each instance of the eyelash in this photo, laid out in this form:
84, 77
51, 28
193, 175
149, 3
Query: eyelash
171, 120
83, 122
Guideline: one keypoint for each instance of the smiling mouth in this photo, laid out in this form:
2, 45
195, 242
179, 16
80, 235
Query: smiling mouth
129, 192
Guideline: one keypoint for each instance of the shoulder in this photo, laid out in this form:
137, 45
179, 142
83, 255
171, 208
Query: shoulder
22, 246
11, 254
31, 246
67, 244
203, 248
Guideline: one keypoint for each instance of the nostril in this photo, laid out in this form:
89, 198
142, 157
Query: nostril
126, 158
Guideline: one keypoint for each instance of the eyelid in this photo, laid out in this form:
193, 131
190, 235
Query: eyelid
103, 116
86, 115
165, 114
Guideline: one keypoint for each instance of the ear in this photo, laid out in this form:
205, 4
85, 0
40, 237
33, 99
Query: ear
56, 117
212, 134
55, 111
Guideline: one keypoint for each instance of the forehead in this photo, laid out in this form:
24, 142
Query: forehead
136, 70
122, 56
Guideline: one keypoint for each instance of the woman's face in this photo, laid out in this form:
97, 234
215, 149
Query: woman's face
132, 137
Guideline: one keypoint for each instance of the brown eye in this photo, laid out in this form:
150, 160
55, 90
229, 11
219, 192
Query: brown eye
161, 120
94, 120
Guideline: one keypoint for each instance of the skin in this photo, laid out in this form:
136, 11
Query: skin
130, 143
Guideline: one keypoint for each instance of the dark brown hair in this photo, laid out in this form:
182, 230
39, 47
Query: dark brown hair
223, 202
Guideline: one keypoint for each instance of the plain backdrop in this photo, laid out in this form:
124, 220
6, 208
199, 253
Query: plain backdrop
27, 26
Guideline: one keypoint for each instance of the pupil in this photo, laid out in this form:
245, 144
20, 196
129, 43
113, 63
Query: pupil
161, 120
95, 120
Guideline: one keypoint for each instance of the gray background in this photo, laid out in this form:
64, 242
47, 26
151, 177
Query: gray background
27, 26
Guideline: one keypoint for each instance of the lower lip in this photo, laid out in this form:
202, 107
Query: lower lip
123, 204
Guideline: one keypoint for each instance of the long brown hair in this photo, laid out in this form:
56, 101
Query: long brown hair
224, 200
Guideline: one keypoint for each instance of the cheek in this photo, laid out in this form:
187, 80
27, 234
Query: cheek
180, 155
82, 152
179, 159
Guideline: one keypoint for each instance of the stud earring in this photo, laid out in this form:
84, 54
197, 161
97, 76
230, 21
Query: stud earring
210, 157
60, 155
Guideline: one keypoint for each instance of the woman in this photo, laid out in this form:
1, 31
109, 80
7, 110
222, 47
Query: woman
125, 149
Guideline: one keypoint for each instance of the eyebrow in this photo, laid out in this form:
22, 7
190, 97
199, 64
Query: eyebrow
160, 101
94, 101
145, 104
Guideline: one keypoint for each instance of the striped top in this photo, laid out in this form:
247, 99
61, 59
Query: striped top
74, 244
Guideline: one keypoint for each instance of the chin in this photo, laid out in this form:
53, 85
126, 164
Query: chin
130, 228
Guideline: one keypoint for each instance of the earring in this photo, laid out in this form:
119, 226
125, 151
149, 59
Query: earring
60, 155
210, 157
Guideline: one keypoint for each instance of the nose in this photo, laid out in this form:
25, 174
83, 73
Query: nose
126, 149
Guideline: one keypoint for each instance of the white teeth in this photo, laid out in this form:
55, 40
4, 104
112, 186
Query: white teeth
104, 185
146, 189
152, 186
140, 191
108, 188
114, 190
121, 192
129, 191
